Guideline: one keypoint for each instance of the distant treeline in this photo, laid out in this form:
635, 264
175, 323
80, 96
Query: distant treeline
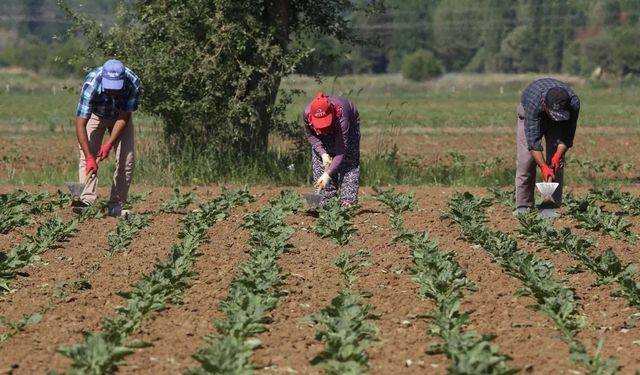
570, 36
516, 36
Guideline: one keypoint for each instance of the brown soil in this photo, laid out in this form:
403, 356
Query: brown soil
312, 280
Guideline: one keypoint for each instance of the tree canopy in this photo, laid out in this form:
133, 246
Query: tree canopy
212, 68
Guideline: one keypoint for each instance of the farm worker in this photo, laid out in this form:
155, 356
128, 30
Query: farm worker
548, 108
332, 126
107, 100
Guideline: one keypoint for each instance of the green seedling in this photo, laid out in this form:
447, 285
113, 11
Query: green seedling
335, 222
552, 298
178, 203
104, 351
253, 292
127, 228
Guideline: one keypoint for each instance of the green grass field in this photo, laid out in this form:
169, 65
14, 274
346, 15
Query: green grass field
394, 113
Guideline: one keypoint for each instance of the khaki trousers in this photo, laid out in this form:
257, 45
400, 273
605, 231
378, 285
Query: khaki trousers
526, 166
124, 161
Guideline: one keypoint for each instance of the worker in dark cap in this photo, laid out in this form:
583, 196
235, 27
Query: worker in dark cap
548, 108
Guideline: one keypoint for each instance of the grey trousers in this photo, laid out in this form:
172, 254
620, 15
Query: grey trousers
526, 166
124, 155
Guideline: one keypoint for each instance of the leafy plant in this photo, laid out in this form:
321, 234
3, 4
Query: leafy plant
598, 219
26, 320
346, 328
253, 292
629, 203
63, 289
104, 351
179, 202
349, 264
504, 197
553, 298
398, 203
335, 222
135, 198
13, 217
127, 228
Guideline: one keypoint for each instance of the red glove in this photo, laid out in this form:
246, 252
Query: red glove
547, 173
90, 164
555, 161
104, 151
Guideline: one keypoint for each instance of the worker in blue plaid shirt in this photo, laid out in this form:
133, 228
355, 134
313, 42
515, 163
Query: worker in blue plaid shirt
108, 98
548, 108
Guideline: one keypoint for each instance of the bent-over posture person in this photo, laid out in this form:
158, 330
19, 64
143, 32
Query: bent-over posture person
108, 98
332, 126
548, 108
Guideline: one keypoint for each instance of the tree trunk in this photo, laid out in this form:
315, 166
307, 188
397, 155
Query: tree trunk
276, 14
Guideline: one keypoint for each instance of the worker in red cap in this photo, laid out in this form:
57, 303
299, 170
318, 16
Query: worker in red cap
332, 126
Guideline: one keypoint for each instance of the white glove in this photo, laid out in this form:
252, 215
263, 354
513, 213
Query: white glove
326, 161
322, 181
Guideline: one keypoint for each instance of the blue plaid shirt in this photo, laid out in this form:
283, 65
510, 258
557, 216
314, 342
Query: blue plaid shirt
93, 98
536, 120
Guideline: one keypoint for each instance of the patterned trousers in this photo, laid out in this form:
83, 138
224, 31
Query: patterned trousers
346, 181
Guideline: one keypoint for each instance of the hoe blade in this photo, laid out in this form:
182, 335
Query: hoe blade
547, 189
75, 189
312, 199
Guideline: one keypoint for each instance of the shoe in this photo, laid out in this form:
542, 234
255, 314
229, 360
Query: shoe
77, 206
520, 211
117, 211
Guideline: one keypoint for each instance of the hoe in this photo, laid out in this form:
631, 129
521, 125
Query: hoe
547, 189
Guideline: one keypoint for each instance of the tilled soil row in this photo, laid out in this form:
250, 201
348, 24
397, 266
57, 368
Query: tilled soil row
33, 350
312, 280
608, 317
528, 336
176, 332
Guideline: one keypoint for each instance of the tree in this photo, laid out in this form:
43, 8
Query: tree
456, 32
626, 51
211, 69
499, 19
516, 53
421, 66
598, 52
411, 28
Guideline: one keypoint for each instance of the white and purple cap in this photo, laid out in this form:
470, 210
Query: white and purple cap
113, 75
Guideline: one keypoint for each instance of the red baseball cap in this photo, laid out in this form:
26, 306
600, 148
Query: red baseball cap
321, 112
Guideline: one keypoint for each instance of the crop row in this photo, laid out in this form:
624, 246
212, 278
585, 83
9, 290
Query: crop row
102, 352
127, 228
629, 203
46, 237
17, 208
588, 214
442, 280
553, 298
607, 266
254, 291
596, 218
345, 325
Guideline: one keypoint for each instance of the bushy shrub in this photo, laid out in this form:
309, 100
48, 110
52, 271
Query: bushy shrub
420, 66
